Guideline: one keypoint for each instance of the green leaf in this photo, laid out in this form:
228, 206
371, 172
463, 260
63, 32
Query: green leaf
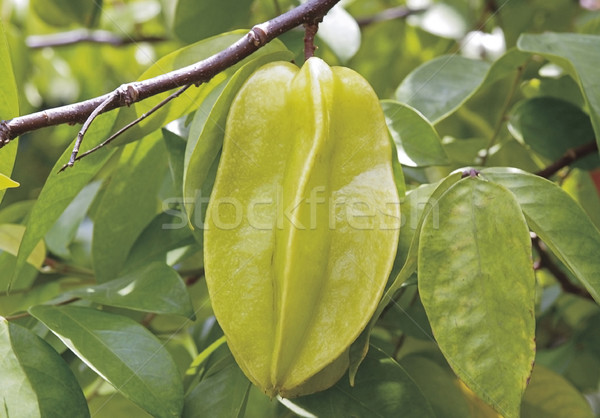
10, 239
128, 205
122, 352
7, 182
558, 220
551, 127
382, 389
440, 86
193, 97
580, 186
578, 55
549, 395
206, 137
36, 382
340, 32
477, 285
65, 12
9, 108
196, 20
64, 230
416, 140
152, 288
222, 392
61, 188
438, 385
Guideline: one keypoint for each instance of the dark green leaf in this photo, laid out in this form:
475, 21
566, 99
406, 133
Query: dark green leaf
65, 12
382, 389
61, 188
559, 222
477, 285
551, 127
36, 382
416, 140
128, 205
122, 352
574, 52
152, 288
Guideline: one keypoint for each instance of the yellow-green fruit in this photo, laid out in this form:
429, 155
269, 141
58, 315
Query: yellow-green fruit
302, 224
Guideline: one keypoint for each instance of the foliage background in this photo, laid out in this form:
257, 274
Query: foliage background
130, 190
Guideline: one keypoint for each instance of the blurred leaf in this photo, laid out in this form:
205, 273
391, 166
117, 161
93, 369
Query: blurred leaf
564, 88
152, 288
416, 140
196, 20
64, 230
441, 85
128, 204
36, 382
551, 127
341, 33
549, 395
122, 352
61, 188
65, 12
382, 388
193, 97
481, 308
16, 212
10, 238
579, 185
9, 108
439, 386
221, 393
558, 221
572, 52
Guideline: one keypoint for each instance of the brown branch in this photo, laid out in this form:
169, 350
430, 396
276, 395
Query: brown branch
393, 13
545, 261
310, 30
197, 73
83, 35
568, 158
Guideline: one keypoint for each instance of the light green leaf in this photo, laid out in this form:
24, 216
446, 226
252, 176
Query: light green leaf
580, 186
206, 136
61, 188
193, 97
153, 288
549, 395
382, 389
195, 20
128, 204
7, 182
477, 285
64, 230
9, 108
222, 392
10, 239
440, 86
577, 54
340, 32
36, 382
417, 142
558, 220
122, 352
551, 127
65, 12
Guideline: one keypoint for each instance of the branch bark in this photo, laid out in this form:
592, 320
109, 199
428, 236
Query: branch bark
198, 73
569, 157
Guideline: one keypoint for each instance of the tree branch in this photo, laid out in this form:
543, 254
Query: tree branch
545, 261
83, 35
310, 30
568, 158
198, 73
